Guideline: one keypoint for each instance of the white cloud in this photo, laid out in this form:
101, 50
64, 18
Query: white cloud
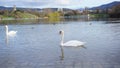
53, 3
50, 2
64, 2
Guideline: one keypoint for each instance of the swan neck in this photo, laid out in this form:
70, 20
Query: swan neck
6, 30
62, 39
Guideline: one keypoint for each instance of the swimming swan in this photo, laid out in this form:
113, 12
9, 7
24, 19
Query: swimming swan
70, 43
10, 33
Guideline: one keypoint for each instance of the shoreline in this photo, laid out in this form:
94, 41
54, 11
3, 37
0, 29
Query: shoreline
20, 18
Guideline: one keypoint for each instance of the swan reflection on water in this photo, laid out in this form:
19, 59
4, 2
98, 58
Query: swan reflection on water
62, 53
6, 39
62, 50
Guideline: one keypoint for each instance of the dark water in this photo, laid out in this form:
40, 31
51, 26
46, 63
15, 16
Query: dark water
38, 45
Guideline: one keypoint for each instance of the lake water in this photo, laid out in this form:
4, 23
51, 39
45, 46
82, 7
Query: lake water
37, 45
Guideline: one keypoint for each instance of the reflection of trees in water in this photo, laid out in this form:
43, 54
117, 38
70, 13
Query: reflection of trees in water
31, 21
77, 18
21, 21
52, 20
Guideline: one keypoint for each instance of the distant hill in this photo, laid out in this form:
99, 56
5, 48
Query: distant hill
4, 8
11, 8
33, 9
106, 6
1, 7
81, 8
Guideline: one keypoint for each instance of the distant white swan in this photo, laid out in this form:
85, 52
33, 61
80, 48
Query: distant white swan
70, 43
10, 33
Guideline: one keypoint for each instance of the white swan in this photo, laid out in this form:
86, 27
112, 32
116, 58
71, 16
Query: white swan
10, 33
70, 43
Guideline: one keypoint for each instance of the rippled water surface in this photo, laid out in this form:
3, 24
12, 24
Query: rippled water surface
38, 45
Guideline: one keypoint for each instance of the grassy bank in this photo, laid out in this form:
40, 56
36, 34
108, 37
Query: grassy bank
17, 15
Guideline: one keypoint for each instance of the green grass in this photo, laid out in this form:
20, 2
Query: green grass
23, 15
18, 14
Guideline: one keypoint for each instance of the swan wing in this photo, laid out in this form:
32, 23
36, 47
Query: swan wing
12, 33
73, 43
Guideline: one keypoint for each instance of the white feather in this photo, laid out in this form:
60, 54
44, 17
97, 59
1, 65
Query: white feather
12, 33
73, 43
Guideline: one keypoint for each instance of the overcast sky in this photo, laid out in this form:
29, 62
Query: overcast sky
54, 3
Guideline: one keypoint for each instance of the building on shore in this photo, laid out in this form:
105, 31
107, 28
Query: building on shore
14, 8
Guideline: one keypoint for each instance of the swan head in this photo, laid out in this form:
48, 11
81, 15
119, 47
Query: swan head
6, 26
61, 32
